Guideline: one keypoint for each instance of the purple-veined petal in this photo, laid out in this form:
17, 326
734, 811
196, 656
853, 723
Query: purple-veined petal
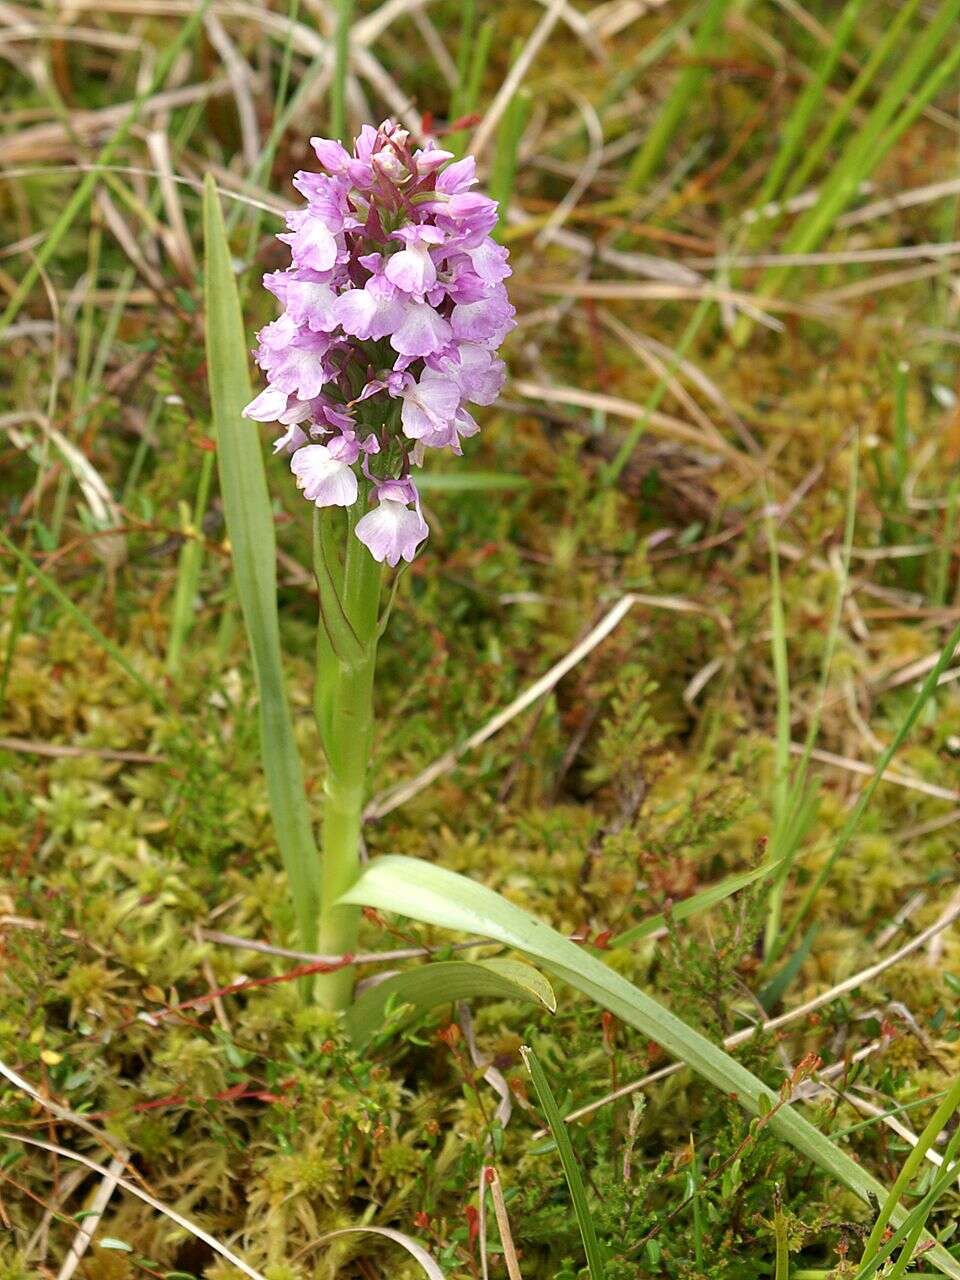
324, 479
421, 332
392, 532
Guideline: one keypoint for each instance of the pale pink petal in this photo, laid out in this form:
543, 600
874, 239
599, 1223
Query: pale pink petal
392, 532
324, 479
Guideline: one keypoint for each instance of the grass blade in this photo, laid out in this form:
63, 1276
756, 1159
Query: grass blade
503, 172
867, 146
341, 60
696, 903
246, 504
791, 138
474, 53
687, 86
878, 55
188, 570
437, 896
571, 1170
909, 1231
794, 819
910, 1166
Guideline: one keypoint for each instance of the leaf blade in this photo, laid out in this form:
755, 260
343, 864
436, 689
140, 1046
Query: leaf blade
696, 903
437, 896
246, 503
442, 982
571, 1170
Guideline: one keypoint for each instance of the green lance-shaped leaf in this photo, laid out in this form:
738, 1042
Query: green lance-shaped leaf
246, 505
443, 982
436, 896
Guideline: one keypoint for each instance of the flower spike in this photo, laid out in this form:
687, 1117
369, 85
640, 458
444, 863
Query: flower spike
394, 307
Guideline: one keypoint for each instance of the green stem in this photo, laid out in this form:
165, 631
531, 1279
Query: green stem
344, 710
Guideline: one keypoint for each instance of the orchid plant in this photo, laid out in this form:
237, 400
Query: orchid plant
394, 307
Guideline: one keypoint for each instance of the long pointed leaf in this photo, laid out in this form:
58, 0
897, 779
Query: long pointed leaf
432, 894
246, 505
571, 1170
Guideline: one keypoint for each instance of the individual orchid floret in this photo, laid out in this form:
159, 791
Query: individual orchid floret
327, 480
393, 532
393, 308
413, 270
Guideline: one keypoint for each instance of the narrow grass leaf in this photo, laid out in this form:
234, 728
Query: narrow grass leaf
474, 53
443, 982
571, 1170
795, 129
503, 172
801, 805
696, 903
341, 63
913, 1162
249, 519
774, 991
867, 146
814, 153
685, 90
782, 1236
909, 1232
188, 570
437, 896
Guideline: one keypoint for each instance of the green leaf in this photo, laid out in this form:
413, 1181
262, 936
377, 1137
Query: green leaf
687, 87
437, 896
571, 1170
441, 983
698, 902
111, 1242
246, 505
